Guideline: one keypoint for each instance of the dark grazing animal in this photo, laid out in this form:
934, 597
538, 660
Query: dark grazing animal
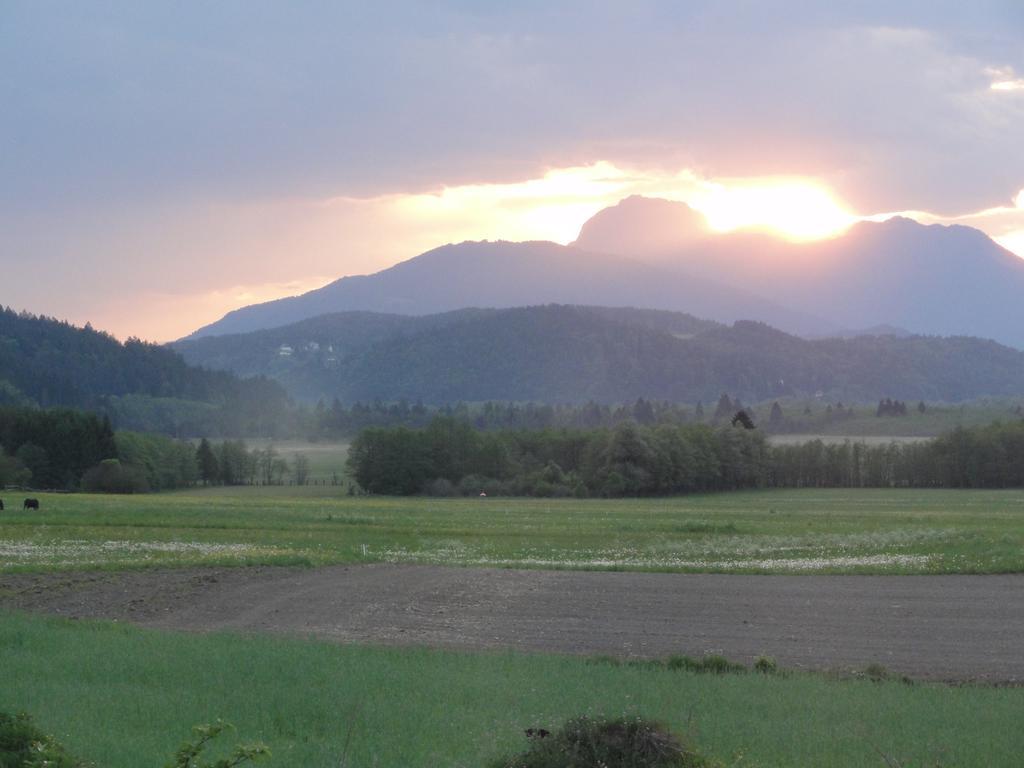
31, 504
1, 505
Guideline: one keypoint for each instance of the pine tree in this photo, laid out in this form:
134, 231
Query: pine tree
643, 412
743, 419
209, 467
724, 408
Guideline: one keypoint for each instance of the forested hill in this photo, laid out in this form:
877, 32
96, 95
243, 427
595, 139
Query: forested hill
46, 362
559, 353
311, 357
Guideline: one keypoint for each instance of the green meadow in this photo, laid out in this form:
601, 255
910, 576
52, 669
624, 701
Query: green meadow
787, 531
326, 458
126, 698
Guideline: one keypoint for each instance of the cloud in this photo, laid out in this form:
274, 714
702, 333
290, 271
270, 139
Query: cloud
200, 146
1004, 79
119, 101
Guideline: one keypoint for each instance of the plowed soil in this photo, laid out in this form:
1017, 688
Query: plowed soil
956, 628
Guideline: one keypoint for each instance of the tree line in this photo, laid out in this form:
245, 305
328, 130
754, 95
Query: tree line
232, 463
450, 457
339, 421
68, 449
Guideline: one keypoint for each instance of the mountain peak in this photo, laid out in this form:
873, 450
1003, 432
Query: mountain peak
642, 225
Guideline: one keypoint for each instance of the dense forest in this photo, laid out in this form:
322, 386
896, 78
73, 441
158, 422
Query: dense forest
46, 363
65, 449
51, 448
569, 354
450, 457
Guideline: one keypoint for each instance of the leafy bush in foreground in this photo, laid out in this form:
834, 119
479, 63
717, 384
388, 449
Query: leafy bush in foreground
23, 745
586, 742
188, 754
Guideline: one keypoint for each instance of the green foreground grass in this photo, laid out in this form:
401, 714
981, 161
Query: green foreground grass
821, 531
126, 698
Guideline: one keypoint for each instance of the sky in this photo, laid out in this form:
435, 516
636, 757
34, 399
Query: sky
164, 162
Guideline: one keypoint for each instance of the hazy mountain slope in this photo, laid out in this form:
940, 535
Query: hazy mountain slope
555, 354
334, 335
560, 353
48, 362
306, 356
928, 279
502, 274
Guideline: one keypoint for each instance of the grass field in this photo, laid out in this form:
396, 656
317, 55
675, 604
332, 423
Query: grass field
125, 697
937, 418
824, 531
872, 440
326, 458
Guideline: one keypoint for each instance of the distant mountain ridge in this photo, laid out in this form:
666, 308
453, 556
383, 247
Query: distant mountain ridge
502, 274
660, 254
934, 279
558, 353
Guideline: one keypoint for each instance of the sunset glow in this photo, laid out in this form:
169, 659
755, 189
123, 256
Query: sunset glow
1005, 79
555, 206
793, 209
552, 207
340, 236
1013, 242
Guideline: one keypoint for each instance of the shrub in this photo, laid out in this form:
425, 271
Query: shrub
719, 665
111, 476
12, 470
586, 742
188, 755
604, 658
471, 485
440, 486
876, 672
712, 663
23, 745
766, 665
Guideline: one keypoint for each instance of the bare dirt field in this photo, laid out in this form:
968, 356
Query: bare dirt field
955, 628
